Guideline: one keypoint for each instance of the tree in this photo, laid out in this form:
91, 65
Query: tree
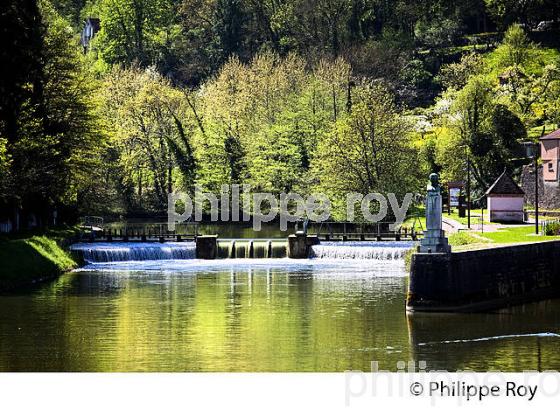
151, 136
52, 142
369, 150
437, 33
4, 169
21, 64
230, 18
70, 10
507, 12
136, 31
456, 75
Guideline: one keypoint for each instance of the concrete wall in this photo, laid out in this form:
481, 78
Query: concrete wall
484, 279
506, 208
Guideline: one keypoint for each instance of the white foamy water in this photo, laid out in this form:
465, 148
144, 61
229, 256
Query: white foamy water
386, 251
490, 338
126, 252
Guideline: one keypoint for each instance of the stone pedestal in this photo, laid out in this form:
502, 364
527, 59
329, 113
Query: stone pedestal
434, 240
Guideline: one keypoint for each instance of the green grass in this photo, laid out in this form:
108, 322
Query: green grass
469, 240
537, 132
26, 261
463, 238
416, 219
517, 235
476, 214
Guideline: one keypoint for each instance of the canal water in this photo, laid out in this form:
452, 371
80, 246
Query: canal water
135, 309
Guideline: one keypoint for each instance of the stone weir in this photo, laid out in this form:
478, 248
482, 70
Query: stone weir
297, 246
485, 279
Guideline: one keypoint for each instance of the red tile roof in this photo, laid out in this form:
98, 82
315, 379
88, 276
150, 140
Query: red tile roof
553, 136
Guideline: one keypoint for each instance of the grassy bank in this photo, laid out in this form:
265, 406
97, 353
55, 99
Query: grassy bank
26, 261
470, 240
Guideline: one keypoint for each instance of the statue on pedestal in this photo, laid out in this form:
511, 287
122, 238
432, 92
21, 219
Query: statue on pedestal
434, 237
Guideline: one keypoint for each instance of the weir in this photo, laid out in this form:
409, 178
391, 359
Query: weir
123, 252
360, 250
214, 248
252, 249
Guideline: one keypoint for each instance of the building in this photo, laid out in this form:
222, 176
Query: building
91, 27
506, 200
549, 174
550, 154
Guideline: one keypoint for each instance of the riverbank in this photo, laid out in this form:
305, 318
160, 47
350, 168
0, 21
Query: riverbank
27, 261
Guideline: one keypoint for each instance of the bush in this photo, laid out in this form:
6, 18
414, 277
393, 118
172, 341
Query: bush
462, 238
552, 229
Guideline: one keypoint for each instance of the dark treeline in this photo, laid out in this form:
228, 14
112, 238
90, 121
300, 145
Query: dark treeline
190, 39
175, 92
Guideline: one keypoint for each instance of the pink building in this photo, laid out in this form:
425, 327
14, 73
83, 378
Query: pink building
550, 154
505, 200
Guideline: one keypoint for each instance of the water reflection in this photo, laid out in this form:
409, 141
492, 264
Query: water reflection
281, 316
516, 339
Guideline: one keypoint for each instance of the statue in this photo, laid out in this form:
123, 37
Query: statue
434, 184
434, 237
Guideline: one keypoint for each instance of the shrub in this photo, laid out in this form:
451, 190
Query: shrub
552, 229
462, 238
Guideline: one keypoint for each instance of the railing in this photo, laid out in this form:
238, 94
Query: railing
149, 231
92, 222
359, 231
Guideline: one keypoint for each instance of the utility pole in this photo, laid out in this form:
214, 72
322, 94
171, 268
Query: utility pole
536, 157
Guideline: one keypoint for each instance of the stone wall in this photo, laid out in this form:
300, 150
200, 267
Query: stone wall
549, 192
484, 279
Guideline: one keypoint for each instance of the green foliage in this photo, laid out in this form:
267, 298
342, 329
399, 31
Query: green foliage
4, 168
490, 103
136, 31
26, 261
368, 150
437, 33
150, 137
70, 10
408, 258
462, 238
296, 95
528, 12
552, 228
51, 127
456, 75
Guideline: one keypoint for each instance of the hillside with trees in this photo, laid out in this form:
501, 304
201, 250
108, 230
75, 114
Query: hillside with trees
304, 96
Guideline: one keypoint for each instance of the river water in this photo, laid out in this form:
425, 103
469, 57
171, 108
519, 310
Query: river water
341, 310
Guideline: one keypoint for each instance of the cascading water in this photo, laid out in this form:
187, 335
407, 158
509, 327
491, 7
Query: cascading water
239, 249
125, 252
252, 249
361, 250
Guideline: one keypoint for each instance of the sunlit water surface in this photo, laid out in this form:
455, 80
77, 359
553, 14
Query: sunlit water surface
258, 315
